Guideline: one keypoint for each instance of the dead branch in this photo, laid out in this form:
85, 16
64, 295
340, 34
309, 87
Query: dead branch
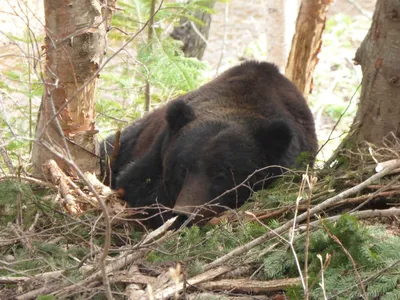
365, 197
21, 236
208, 275
238, 272
13, 280
315, 210
159, 231
30, 179
115, 265
7, 159
365, 214
124, 259
386, 164
135, 278
133, 290
383, 189
250, 286
227, 297
60, 179
44, 290
89, 200
43, 276
98, 185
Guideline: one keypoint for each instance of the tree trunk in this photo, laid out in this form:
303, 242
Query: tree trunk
75, 45
379, 56
306, 43
193, 34
281, 16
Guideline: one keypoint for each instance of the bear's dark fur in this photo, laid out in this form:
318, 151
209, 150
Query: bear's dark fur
203, 144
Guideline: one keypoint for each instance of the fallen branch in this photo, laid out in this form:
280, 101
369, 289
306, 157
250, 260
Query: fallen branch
226, 297
13, 280
241, 271
135, 278
124, 259
98, 185
59, 179
360, 215
250, 286
368, 196
44, 290
88, 199
133, 290
388, 164
30, 179
365, 214
208, 275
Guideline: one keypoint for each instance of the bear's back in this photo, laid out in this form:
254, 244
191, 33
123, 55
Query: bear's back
254, 90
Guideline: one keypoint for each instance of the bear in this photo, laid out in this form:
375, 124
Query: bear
208, 150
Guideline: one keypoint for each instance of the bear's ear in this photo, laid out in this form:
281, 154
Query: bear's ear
178, 115
274, 137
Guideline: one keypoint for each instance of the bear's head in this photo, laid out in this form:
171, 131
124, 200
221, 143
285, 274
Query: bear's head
210, 165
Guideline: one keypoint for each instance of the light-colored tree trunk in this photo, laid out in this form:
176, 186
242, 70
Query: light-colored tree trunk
280, 25
306, 43
379, 56
75, 45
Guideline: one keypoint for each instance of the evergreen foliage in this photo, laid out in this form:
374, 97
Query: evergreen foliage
369, 247
160, 62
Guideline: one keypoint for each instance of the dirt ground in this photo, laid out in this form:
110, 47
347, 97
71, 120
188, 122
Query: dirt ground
244, 22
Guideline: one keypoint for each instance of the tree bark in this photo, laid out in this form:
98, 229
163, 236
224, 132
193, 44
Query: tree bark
193, 34
75, 44
306, 43
281, 15
379, 56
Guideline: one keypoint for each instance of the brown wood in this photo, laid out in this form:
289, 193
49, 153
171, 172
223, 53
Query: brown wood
250, 286
169, 291
59, 179
75, 45
306, 43
379, 109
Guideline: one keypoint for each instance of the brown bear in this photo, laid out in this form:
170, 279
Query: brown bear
193, 154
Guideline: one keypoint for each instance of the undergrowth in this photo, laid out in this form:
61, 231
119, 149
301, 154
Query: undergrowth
60, 241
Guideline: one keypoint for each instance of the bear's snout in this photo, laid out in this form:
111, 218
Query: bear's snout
192, 197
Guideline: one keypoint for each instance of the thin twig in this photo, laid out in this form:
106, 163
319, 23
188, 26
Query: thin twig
311, 183
30, 179
292, 233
